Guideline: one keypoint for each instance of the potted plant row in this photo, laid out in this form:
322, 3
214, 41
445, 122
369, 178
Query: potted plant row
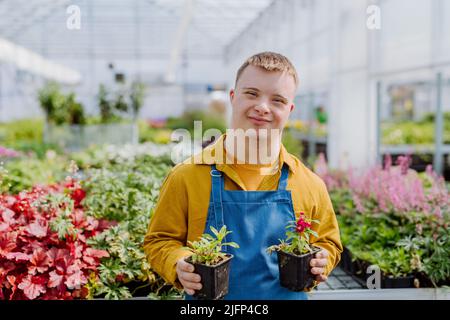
390, 278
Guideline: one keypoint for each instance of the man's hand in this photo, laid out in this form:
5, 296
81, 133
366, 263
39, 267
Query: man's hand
187, 277
318, 264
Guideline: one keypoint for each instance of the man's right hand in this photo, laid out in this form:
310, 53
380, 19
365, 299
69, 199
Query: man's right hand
187, 277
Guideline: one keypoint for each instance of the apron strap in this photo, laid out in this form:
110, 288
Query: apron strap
217, 188
282, 184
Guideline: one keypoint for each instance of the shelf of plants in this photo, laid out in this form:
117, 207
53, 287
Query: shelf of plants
80, 238
394, 218
72, 236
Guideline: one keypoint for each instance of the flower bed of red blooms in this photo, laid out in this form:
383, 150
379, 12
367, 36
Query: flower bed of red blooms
34, 262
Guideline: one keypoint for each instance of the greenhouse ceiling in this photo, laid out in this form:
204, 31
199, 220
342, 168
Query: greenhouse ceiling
127, 29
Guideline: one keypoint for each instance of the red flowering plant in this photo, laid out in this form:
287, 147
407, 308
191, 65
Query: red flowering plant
295, 254
43, 250
297, 237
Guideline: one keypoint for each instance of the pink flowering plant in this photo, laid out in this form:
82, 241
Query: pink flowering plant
393, 216
8, 153
399, 189
298, 237
386, 189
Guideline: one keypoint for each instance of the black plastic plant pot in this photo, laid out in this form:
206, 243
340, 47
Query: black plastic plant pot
295, 270
215, 279
346, 261
400, 282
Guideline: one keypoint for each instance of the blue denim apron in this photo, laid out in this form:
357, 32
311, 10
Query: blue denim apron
257, 219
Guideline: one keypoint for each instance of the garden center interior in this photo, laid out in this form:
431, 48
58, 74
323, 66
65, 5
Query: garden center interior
103, 84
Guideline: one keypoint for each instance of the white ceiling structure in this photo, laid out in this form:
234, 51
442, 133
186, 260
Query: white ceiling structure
167, 32
127, 28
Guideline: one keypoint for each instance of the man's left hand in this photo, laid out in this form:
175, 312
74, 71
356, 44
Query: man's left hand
318, 264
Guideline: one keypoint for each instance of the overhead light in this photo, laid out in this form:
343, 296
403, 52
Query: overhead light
31, 62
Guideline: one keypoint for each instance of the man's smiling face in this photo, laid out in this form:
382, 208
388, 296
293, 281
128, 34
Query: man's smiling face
262, 99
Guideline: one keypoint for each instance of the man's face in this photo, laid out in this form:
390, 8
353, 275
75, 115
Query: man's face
262, 99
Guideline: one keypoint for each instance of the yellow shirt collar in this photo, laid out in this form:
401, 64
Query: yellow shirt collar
213, 154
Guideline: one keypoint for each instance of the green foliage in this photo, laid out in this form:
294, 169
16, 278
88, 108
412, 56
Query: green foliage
75, 110
127, 262
399, 245
292, 145
401, 241
120, 105
26, 136
126, 103
166, 293
125, 194
52, 100
342, 200
431, 252
123, 191
395, 262
138, 158
25, 130
156, 135
414, 132
306, 128
58, 107
116, 195
208, 249
105, 106
186, 121
437, 264
137, 96
407, 133
431, 116
23, 174
38, 149
62, 224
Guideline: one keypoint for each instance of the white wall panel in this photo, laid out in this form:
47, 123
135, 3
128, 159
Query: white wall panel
406, 33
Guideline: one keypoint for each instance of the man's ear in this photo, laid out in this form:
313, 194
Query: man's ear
231, 95
292, 107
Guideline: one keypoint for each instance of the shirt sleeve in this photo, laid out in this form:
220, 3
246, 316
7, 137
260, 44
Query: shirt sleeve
328, 229
167, 231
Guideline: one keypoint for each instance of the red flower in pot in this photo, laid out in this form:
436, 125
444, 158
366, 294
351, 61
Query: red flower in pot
295, 254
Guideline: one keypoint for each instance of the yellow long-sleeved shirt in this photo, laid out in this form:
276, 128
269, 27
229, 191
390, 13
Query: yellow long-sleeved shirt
181, 211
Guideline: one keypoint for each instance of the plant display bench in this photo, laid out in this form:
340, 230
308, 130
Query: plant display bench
78, 137
342, 286
382, 294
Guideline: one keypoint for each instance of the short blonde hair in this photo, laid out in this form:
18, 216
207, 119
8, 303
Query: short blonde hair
269, 61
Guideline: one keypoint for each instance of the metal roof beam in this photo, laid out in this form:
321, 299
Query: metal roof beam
177, 47
39, 18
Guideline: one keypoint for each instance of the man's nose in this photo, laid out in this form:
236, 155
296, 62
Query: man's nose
262, 107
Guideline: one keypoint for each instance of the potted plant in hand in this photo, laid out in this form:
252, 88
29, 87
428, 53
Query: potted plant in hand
211, 263
295, 254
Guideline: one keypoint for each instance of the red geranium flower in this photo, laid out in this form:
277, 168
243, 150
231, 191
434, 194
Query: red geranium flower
78, 195
302, 225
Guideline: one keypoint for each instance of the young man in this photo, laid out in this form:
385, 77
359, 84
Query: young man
254, 199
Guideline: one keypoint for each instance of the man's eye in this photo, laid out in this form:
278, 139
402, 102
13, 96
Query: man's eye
251, 93
278, 101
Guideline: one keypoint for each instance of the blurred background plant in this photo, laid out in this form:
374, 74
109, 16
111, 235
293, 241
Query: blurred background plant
414, 132
60, 108
393, 217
